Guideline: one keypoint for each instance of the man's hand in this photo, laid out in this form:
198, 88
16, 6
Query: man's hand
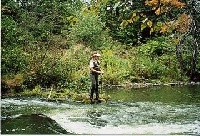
100, 72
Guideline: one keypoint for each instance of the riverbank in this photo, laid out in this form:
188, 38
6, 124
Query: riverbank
144, 85
60, 95
52, 94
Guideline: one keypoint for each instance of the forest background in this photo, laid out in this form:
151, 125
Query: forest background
49, 43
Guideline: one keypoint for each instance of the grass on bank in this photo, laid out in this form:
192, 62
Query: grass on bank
57, 95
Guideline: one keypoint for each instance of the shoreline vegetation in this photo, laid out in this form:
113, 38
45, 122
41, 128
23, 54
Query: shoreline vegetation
58, 95
49, 45
143, 85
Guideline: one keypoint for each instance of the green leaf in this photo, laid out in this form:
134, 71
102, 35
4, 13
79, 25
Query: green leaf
143, 26
124, 23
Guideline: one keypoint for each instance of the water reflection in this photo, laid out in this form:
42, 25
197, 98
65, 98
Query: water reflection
165, 94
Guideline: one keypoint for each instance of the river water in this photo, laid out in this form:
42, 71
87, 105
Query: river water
157, 110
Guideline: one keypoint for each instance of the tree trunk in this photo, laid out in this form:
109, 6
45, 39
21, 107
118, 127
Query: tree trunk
195, 32
179, 57
194, 53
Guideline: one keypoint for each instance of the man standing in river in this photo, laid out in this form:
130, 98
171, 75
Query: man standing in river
95, 71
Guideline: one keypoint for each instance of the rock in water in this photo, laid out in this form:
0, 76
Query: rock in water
31, 124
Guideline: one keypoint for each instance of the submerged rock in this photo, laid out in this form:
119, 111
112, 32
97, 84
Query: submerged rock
31, 124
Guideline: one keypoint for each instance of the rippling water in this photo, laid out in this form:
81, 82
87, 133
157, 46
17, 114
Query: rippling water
145, 111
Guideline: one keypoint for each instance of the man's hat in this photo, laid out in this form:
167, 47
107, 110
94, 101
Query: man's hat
97, 54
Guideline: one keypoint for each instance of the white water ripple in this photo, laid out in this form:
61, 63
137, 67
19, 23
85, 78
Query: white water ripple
118, 117
152, 128
78, 122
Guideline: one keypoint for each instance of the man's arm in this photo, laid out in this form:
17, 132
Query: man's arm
92, 68
101, 71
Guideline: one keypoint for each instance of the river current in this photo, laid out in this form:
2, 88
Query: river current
162, 110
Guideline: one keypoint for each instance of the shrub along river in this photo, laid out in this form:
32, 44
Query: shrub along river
156, 110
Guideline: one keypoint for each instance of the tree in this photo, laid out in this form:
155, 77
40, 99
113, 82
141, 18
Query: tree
175, 18
28, 28
192, 9
113, 12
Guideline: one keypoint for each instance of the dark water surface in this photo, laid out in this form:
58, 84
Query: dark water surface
158, 110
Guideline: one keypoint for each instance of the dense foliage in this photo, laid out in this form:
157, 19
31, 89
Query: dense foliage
48, 43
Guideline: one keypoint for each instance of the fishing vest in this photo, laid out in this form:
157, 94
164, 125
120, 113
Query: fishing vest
96, 66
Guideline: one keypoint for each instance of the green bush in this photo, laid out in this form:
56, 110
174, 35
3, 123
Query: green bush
145, 68
157, 47
45, 70
14, 60
8, 31
89, 30
69, 69
116, 68
156, 60
76, 60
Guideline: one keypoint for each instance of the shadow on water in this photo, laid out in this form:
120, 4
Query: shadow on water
31, 124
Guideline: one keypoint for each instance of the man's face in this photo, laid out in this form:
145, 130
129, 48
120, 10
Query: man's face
97, 57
